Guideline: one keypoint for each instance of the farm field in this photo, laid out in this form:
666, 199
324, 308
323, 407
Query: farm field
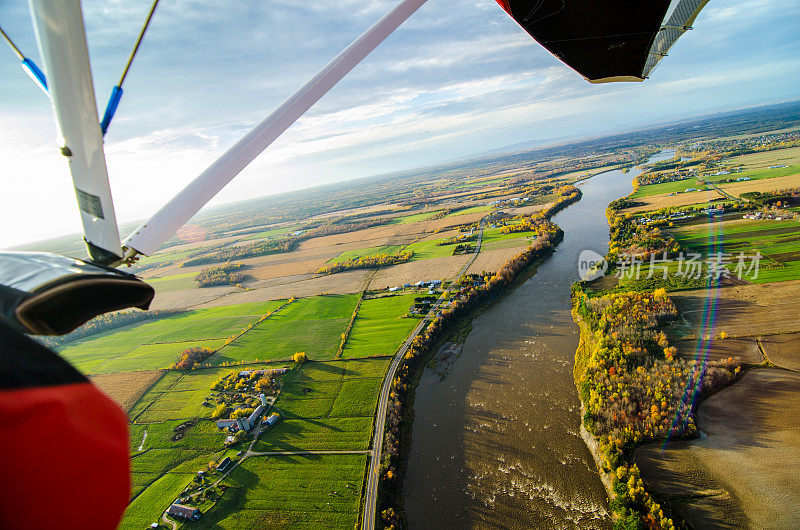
471, 210
380, 327
415, 218
743, 471
312, 491
327, 406
126, 387
160, 465
757, 174
312, 325
428, 249
173, 282
777, 241
363, 252
156, 344
666, 187
742, 310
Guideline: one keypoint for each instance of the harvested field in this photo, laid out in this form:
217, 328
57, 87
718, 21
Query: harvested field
743, 310
527, 210
768, 158
282, 270
372, 235
341, 283
429, 269
440, 224
743, 471
492, 260
187, 298
767, 184
655, 202
745, 349
126, 387
783, 350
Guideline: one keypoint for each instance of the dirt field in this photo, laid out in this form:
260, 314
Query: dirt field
745, 349
743, 310
527, 210
654, 202
341, 283
189, 297
126, 387
744, 471
412, 272
370, 237
456, 220
492, 260
783, 350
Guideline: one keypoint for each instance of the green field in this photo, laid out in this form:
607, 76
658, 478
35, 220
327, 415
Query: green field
362, 252
757, 174
380, 327
473, 209
157, 343
429, 249
777, 241
148, 506
493, 239
163, 466
666, 187
314, 491
327, 406
312, 325
414, 218
173, 282
477, 182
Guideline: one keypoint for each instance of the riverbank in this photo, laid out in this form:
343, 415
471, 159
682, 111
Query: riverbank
394, 496
469, 304
497, 439
451, 321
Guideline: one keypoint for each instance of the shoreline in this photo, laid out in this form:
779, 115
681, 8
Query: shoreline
390, 493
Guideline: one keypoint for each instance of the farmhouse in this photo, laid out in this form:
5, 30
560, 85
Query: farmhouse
271, 419
245, 424
182, 511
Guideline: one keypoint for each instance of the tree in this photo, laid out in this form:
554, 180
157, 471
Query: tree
239, 436
300, 357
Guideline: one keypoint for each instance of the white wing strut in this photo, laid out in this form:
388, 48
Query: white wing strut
62, 42
155, 231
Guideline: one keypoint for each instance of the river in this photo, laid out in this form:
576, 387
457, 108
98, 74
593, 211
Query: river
496, 440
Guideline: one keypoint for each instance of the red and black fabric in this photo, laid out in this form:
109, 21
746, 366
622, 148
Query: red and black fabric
603, 40
63, 443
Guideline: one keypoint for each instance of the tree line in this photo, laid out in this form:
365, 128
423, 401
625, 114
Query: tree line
367, 262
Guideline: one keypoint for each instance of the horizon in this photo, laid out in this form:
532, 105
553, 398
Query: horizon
446, 87
540, 145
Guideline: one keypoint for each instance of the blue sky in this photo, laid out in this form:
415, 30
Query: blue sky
459, 78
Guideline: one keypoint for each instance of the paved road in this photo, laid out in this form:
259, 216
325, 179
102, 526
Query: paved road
373, 470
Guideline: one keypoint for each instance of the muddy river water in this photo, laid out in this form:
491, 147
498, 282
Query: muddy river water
496, 440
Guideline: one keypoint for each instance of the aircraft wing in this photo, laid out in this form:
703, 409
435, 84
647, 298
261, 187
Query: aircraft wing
60, 30
606, 40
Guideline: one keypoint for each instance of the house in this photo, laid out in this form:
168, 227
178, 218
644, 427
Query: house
271, 419
393, 289
223, 464
182, 511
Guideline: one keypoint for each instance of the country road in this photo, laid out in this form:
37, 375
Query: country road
373, 470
